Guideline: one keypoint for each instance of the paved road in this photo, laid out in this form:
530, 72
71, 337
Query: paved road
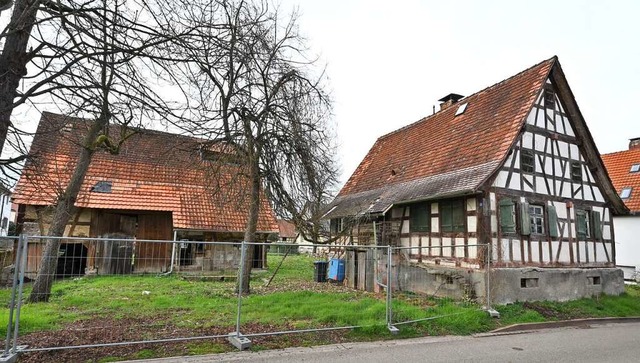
589, 343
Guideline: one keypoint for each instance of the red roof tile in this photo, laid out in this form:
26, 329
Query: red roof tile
618, 166
153, 171
444, 153
287, 229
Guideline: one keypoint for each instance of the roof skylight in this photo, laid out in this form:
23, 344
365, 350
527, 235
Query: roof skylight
635, 168
461, 109
625, 193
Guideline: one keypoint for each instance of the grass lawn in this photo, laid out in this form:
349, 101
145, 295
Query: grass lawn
121, 308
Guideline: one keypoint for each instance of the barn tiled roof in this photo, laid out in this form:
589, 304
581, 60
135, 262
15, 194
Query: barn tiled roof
154, 171
287, 229
619, 168
443, 154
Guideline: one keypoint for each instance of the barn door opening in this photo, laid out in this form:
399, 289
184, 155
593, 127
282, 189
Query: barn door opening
72, 260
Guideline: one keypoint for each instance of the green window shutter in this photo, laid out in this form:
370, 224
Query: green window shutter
581, 224
525, 219
553, 221
457, 215
446, 219
597, 228
419, 220
507, 218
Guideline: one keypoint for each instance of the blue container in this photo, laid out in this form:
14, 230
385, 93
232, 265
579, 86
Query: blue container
336, 269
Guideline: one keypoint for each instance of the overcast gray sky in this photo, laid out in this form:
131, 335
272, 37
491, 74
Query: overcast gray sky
390, 61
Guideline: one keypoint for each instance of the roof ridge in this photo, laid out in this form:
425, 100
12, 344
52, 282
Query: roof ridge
461, 101
140, 130
620, 152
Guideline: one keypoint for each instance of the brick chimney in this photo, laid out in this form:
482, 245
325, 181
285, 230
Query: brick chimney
449, 100
634, 143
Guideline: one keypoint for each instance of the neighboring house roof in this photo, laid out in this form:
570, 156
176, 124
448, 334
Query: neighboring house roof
451, 155
287, 229
619, 167
153, 171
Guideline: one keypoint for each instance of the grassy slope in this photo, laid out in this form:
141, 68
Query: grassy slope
292, 301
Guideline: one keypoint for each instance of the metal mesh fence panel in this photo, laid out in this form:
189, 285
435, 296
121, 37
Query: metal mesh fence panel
433, 282
113, 292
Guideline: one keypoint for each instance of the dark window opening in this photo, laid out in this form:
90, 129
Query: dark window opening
527, 161
336, 226
527, 283
419, 217
102, 186
594, 280
549, 99
452, 216
576, 171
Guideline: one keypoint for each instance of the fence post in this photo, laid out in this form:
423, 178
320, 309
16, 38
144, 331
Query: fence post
23, 267
12, 303
390, 326
236, 338
492, 312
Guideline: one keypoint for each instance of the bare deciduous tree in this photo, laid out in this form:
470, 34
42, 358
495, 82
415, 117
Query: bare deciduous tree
249, 73
92, 63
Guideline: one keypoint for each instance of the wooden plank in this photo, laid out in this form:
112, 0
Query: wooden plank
362, 270
370, 271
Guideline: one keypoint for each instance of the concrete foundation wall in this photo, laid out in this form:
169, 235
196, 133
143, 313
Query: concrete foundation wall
456, 283
508, 285
555, 284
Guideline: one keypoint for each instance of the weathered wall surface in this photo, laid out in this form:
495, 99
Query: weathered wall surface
508, 285
557, 284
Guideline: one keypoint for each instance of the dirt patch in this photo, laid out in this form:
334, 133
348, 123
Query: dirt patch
551, 313
122, 330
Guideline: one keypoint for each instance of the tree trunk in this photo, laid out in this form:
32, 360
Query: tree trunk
64, 210
14, 59
252, 222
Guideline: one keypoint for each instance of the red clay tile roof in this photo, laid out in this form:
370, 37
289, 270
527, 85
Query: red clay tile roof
154, 171
443, 154
618, 166
287, 229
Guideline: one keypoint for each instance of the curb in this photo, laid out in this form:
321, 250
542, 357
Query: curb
516, 328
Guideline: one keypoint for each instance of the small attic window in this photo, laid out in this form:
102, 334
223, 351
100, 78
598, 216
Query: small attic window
549, 99
625, 193
461, 109
102, 186
635, 168
68, 127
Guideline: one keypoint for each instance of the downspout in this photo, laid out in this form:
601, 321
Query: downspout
173, 254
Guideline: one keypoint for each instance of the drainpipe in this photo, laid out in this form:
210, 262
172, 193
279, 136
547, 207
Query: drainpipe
173, 254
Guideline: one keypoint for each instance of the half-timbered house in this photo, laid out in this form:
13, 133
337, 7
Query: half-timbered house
157, 186
624, 170
511, 169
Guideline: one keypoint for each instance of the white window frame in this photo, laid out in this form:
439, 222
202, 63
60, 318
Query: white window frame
536, 215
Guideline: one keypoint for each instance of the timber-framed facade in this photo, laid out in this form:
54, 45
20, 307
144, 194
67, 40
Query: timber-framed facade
517, 172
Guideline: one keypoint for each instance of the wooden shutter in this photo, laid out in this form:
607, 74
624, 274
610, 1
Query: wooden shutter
597, 227
419, 220
553, 221
458, 215
581, 224
507, 218
446, 218
525, 219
